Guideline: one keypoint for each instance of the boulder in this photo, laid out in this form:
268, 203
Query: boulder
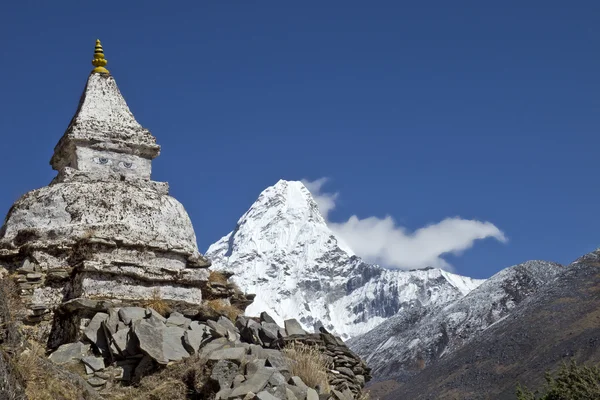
151, 336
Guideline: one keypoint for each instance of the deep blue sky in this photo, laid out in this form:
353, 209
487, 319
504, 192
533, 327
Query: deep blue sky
419, 110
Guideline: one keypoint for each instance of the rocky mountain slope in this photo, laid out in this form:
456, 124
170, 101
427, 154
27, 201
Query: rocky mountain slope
562, 320
417, 337
282, 250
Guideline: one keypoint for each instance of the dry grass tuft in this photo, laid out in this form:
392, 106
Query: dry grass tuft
224, 308
309, 363
157, 303
178, 381
217, 277
40, 382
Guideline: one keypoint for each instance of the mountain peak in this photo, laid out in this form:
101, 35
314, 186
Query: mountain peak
283, 251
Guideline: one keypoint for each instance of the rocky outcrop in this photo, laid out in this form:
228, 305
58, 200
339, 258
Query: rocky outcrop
246, 359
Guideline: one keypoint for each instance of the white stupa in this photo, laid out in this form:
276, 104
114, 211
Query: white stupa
102, 228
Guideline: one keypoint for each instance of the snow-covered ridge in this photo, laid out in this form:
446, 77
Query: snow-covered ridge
425, 334
282, 250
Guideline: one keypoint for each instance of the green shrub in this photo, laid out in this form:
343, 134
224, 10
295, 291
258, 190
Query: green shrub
571, 382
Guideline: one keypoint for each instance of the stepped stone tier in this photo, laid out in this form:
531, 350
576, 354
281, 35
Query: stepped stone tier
102, 229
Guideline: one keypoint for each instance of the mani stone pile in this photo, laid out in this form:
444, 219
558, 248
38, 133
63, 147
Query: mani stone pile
102, 228
244, 358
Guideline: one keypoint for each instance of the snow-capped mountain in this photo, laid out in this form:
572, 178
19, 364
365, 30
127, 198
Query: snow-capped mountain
283, 251
416, 338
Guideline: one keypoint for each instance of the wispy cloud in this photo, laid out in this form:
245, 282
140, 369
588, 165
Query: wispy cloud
381, 240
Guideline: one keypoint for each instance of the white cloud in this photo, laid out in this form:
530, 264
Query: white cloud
383, 241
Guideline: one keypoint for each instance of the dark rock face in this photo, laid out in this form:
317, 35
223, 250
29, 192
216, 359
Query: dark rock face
559, 322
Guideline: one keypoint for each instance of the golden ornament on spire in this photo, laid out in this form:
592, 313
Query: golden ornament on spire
99, 61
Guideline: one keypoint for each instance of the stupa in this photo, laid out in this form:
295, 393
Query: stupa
102, 229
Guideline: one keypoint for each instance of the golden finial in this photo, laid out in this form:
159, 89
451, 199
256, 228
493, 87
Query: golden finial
99, 61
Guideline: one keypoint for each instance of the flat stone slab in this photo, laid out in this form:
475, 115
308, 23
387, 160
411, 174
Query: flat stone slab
173, 347
236, 354
293, 327
218, 330
254, 383
95, 363
194, 336
69, 352
177, 319
266, 396
131, 314
94, 329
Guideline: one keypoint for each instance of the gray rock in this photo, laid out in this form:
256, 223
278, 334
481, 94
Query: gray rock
298, 382
226, 322
298, 393
270, 330
174, 349
249, 396
152, 312
213, 345
194, 336
111, 373
151, 339
218, 330
265, 317
254, 365
277, 379
177, 319
345, 371
240, 322
69, 352
224, 372
131, 314
236, 354
223, 394
112, 321
251, 333
94, 381
311, 394
95, 363
293, 327
266, 396
237, 381
290, 395
254, 383
124, 342
94, 331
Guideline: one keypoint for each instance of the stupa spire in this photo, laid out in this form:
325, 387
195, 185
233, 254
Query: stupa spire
99, 61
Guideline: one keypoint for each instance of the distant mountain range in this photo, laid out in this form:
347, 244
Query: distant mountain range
427, 334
